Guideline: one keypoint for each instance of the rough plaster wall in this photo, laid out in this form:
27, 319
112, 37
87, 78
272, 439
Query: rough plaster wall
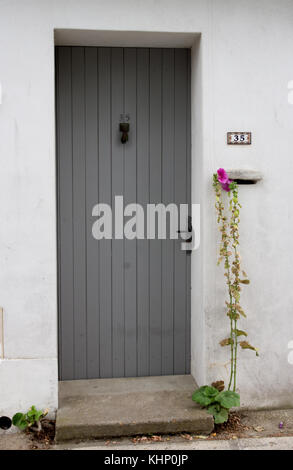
27, 382
245, 65
252, 64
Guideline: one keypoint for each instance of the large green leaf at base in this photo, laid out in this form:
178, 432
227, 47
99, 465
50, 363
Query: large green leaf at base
205, 395
228, 399
221, 416
219, 413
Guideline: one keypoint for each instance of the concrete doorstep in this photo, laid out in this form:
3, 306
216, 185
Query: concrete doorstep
90, 409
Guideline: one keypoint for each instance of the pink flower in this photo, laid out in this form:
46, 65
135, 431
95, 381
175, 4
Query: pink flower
222, 176
226, 186
223, 179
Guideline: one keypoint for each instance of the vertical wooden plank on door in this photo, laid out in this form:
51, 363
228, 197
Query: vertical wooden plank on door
92, 198
65, 234
143, 199
155, 198
168, 197
117, 90
105, 196
180, 198
130, 198
188, 199
79, 242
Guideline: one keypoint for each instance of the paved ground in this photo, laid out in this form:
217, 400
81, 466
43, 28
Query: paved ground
22, 442
268, 443
16, 441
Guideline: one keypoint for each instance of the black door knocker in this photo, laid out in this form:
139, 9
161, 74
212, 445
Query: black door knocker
124, 128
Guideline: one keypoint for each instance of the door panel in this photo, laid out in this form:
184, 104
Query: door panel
124, 305
155, 192
130, 168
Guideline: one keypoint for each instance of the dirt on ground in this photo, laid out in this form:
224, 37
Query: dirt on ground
244, 424
263, 423
29, 440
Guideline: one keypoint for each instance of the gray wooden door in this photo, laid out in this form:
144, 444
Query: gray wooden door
124, 305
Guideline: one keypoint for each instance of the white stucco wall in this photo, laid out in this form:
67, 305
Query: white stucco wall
239, 82
251, 63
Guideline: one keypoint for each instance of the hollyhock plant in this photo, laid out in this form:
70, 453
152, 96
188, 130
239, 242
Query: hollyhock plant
215, 398
224, 179
229, 254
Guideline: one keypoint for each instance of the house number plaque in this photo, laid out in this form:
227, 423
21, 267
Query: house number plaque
238, 138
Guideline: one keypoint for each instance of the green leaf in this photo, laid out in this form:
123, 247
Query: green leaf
22, 425
34, 415
17, 418
38, 416
228, 399
214, 409
221, 416
205, 395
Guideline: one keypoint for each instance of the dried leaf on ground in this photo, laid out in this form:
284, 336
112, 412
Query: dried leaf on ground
259, 428
188, 437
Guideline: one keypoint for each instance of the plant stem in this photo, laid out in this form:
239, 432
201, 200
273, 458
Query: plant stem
235, 357
234, 236
231, 323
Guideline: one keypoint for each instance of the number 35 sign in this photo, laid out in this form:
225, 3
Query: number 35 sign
238, 138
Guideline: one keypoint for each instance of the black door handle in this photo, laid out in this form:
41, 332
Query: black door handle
189, 230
